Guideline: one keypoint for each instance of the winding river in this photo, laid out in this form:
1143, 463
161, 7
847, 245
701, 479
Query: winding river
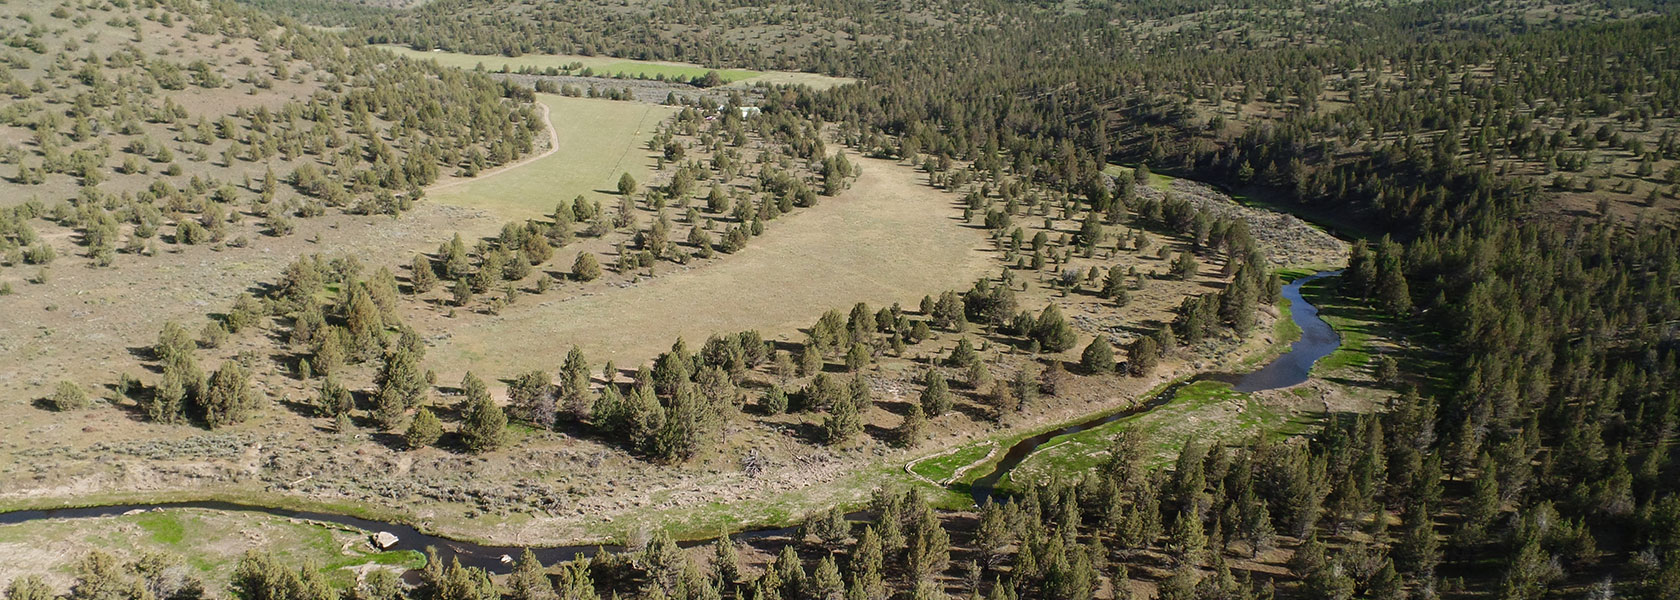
1318, 340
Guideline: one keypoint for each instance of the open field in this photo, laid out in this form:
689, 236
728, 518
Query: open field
851, 248
1156, 180
208, 542
943, 467
598, 140
1205, 411
606, 66
603, 66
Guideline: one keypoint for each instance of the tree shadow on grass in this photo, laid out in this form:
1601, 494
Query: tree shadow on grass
896, 407
147, 357
799, 430
881, 434
302, 408
971, 409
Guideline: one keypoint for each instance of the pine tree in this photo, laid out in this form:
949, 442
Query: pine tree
644, 417
1187, 542
790, 572
1392, 292
993, 535
826, 583
726, 561
528, 580
626, 185
929, 545
1417, 550
686, 429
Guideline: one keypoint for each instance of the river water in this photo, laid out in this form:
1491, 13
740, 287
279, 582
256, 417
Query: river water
1318, 340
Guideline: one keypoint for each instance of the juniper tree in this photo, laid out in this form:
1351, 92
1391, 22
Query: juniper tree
1052, 332
810, 360
1024, 385
67, 397
461, 292
229, 398
585, 267
30, 587
333, 399
456, 265
935, 397
948, 313
963, 354
529, 581
842, 423
909, 432
977, 376
774, 402
574, 385
823, 393
1184, 266
484, 425
1098, 356
424, 430
400, 386
858, 357
531, 397
1141, 356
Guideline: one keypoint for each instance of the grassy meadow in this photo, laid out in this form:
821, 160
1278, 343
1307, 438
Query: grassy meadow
208, 542
606, 66
1205, 411
850, 248
597, 141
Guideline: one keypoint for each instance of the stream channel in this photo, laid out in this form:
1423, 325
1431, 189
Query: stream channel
1318, 340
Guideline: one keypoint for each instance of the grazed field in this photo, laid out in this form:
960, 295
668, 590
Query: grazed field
598, 140
606, 66
887, 239
209, 542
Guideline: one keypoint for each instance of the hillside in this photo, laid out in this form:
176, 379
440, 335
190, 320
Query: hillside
133, 130
997, 308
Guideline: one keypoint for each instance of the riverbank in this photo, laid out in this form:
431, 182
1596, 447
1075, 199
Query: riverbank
966, 481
